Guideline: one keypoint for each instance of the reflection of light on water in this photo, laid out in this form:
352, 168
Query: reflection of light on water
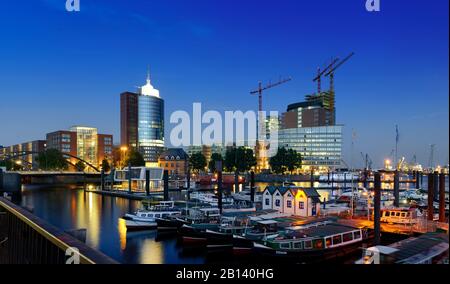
122, 234
93, 221
151, 252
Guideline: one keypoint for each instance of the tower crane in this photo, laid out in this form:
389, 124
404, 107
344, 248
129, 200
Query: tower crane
260, 91
320, 73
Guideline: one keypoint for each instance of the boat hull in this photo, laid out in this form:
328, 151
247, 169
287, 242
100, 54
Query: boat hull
139, 226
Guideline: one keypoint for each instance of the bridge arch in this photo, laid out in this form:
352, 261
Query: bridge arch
24, 153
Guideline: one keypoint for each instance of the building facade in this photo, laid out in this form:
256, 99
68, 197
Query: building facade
142, 122
82, 142
320, 147
304, 202
25, 154
176, 161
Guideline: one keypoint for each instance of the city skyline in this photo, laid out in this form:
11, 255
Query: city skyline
389, 82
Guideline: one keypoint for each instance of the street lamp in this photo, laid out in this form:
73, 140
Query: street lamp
123, 150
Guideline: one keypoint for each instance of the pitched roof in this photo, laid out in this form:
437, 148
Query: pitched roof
309, 192
174, 154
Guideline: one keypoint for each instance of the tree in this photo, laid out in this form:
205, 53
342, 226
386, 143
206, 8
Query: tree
277, 162
285, 160
51, 159
293, 160
239, 159
214, 158
197, 161
105, 166
135, 158
80, 166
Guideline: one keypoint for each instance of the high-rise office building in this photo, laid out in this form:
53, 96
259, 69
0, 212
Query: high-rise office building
309, 128
142, 122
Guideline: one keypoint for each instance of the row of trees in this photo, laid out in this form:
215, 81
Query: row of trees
243, 159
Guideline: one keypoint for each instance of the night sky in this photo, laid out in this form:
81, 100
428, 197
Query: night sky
60, 69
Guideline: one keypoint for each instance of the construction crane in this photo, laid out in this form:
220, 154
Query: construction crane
320, 73
260, 90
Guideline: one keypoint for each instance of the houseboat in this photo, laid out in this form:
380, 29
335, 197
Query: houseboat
316, 243
119, 179
400, 215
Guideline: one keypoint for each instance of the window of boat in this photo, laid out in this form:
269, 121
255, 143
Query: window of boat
408, 215
298, 245
318, 243
328, 242
289, 204
267, 201
357, 235
157, 215
308, 244
347, 237
285, 245
337, 240
387, 213
164, 215
397, 214
144, 215
404, 214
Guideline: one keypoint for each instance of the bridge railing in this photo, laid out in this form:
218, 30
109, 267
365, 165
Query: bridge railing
27, 239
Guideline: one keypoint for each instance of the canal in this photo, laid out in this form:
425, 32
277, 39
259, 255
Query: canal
73, 208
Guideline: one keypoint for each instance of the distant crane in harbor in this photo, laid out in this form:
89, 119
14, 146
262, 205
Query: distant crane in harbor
367, 161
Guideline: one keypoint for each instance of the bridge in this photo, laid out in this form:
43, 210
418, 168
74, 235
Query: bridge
21, 154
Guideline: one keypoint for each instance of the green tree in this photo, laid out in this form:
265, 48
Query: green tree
278, 162
197, 161
80, 166
212, 164
293, 160
105, 165
135, 158
285, 160
51, 159
239, 159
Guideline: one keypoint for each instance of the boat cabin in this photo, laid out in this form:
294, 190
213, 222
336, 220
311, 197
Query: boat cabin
398, 215
296, 201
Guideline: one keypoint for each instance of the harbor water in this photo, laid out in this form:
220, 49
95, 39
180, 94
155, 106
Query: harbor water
73, 208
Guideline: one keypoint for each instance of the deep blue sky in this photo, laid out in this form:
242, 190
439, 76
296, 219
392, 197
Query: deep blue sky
59, 69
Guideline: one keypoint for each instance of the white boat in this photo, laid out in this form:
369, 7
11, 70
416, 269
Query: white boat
395, 215
163, 210
210, 198
139, 226
245, 195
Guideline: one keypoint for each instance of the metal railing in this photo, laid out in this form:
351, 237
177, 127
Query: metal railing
27, 239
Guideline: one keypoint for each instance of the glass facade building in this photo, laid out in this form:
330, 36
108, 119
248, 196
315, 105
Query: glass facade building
142, 122
87, 143
150, 127
319, 146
